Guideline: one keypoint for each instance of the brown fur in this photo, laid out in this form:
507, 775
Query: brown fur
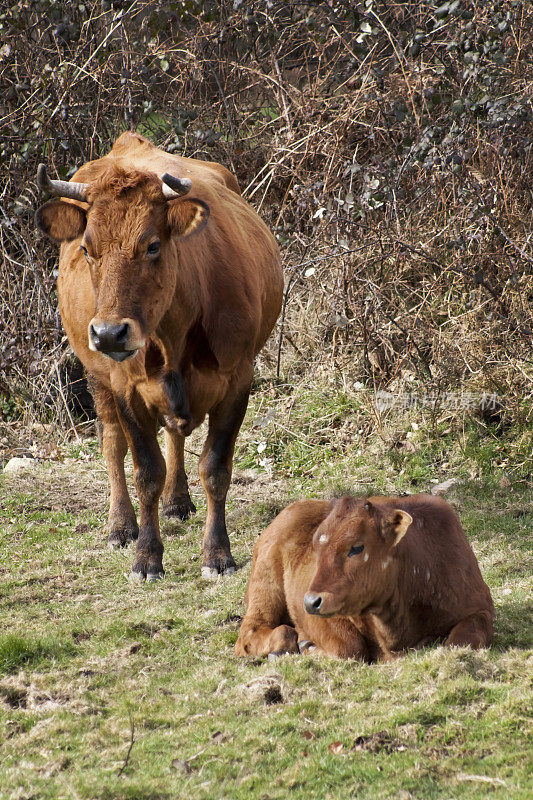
416, 580
198, 314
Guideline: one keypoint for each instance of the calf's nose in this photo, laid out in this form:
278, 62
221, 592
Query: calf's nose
312, 603
109, 337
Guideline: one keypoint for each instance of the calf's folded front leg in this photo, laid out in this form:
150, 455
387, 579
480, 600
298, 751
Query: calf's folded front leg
262, 640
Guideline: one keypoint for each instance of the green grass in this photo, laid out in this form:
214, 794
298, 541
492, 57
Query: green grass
84, 654
19, 651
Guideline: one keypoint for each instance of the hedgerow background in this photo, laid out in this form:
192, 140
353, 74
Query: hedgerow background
389, 147
387, 144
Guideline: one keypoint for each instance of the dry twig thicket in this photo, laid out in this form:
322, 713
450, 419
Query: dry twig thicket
389, 144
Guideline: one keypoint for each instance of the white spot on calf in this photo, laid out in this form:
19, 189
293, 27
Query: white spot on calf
385, 564
428, 574
365, 557
323, 539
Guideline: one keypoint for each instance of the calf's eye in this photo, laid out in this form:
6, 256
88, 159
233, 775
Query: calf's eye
153, 248
357, 548
84, 251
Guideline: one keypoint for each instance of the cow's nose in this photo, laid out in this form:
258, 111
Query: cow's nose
107, 337
312, 603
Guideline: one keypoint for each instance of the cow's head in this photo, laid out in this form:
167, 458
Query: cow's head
354, 547
124, 231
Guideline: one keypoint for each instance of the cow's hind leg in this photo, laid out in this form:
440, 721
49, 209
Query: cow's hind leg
476, 631
215, 473
122, 523
149, 472
176, 500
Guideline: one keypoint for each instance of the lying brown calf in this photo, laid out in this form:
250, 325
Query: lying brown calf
364, 579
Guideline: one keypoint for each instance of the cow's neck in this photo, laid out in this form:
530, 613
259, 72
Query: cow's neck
385, 615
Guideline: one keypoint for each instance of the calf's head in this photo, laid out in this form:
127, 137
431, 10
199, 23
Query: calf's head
124, 231
354, 548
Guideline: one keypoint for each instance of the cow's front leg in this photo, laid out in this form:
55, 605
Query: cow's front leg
122, 523
215, 472
149, 473
177, 503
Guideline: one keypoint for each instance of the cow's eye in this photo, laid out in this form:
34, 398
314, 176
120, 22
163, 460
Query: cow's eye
357, 548
153, 248
84, 251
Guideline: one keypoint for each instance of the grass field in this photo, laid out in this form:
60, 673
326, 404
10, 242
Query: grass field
93, 668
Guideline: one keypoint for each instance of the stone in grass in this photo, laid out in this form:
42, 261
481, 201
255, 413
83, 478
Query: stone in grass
18, 464
181, 766
267, 689
442, 488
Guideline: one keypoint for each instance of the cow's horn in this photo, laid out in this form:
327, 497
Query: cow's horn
175, 187
74, 191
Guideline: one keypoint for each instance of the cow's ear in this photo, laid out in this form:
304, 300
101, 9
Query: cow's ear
61, 221
187, 216
395, 525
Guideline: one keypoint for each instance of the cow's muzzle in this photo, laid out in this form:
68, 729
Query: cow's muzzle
117, 340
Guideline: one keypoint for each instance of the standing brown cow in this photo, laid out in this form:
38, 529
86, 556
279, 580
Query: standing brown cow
166, 298
364, 579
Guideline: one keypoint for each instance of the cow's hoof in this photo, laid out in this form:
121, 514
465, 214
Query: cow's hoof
181, 511
225, 565
121, 537
153, 577
277, 654
305, 645
210, 573
140, 572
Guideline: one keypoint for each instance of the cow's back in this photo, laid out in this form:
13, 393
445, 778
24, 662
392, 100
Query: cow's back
439, 572
435, 537
133, 151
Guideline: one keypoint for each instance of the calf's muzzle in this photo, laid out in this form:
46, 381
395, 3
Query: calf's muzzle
312, 603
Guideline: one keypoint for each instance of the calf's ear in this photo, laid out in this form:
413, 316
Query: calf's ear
61, 221
187, 216
395, 525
